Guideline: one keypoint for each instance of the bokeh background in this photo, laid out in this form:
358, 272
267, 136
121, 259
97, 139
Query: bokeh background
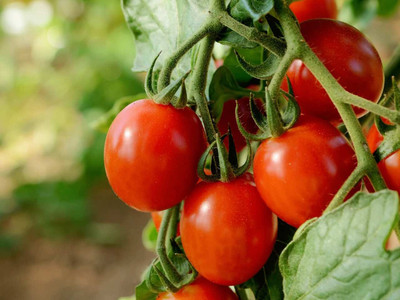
63, 233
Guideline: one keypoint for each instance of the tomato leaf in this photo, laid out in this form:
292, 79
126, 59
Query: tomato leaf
250, 9
163, 26
342, 255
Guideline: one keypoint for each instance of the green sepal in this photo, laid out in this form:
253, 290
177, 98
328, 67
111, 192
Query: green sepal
149, 87
232, 155
167, 95
238, 171
143, 292
259, 119
265, 133
391, 139
104, 122
262, 71
202, 163
396, 94
274, 118
291, 113
183, 98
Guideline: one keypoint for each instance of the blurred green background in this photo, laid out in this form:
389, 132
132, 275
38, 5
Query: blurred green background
63, 234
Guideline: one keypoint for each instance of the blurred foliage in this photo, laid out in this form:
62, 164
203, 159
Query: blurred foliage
62, 65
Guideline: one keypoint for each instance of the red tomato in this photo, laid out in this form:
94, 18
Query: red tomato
227, 231
348, 55
298, 173
390, 166
314, 9
228, 119
157, 218
151, 154
200, 289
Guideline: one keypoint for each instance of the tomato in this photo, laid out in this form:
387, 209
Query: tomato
228, 119
314, 9
151, 154
390, 166
348, 55
227, 231
200, 289
298, 173
157, 218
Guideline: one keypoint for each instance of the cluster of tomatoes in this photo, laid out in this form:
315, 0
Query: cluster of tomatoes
228, 229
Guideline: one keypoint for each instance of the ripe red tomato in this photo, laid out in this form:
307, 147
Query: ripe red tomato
390, 166
228, 119
314, 9
200, 289
348, 55
298, 173
151, 154
227, 231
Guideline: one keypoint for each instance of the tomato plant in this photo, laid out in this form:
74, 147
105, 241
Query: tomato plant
314, 9
200, 289
313, 159
390, 166
151, 154
348, 55
227, 231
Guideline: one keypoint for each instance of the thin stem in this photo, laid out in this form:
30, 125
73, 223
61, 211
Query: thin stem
270, 43
345, 189
280, 73
199, 82
170, 271
171, 62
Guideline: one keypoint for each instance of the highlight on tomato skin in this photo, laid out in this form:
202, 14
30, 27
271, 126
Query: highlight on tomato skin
151, 154
390, 166
298, 173
200, 289
227, 230
348, 55
314, 9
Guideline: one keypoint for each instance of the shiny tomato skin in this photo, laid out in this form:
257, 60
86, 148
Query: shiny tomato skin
228, 119
390, 166
351, 59
227, 231
298, 173
200, 289
151, 154
314, 9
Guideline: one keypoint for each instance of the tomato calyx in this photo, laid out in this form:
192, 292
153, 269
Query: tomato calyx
262, 71
274, 123
224, 165
167, 95
390, 133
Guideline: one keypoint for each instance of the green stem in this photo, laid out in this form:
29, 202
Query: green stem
392, 69
270, 43
162, 240
345, 189
171, 62
199, 82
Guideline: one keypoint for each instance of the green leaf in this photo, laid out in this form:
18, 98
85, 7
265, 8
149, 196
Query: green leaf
163, 26
342, 256
224, 87
149, 236
144, 293
387, 7
104, 122
250, 9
